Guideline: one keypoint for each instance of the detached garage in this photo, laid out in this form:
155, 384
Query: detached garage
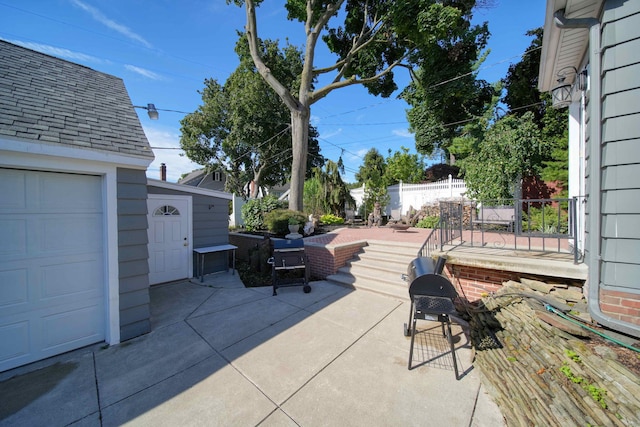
73, 213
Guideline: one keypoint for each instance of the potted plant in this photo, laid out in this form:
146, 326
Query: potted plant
294, 225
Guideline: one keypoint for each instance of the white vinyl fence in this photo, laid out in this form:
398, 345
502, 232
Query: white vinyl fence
417, 195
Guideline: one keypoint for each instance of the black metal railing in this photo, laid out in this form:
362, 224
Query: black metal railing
544, 225
431, 242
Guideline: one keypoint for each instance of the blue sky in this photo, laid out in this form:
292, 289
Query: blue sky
163, 50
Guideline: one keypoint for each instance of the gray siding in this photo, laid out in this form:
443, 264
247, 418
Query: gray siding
133, 254
210, 225
620, 186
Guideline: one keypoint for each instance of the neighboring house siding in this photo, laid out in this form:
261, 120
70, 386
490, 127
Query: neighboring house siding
210, 225
133, 253
620, 186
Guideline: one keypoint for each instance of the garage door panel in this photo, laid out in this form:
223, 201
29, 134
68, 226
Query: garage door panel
71, 278
71, 329
13, 191
13, 288
14, 341
60, 191
14, 237
62, 234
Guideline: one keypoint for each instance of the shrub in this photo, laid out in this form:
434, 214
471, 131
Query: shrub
277, 221
254, 210
428, 222
533, 221
330, 219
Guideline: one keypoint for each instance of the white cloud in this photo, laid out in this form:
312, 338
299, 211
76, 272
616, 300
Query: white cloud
332, 134
176, 163
144, 72
122, 29
57, 51
402, 132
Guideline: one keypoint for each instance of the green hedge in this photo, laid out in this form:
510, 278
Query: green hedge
277, 221
254, 210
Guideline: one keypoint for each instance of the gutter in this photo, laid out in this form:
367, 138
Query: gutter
594, 200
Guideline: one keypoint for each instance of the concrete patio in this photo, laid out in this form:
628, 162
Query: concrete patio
223, 354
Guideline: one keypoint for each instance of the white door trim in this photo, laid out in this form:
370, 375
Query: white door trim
189, 216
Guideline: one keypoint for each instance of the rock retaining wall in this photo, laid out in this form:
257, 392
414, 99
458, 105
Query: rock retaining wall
538, 373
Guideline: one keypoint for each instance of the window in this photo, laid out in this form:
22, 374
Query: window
217, 176
166, 210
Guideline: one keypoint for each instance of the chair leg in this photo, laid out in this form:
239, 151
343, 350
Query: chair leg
453, 350
413, 335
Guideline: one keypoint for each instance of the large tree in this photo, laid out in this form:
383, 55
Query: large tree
243, 127
370, 38
512, 149
442, 101
522, 95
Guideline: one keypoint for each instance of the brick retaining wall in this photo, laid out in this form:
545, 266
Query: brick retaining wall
326, 260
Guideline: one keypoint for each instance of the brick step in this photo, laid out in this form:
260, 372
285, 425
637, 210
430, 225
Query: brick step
385, 257
392, 248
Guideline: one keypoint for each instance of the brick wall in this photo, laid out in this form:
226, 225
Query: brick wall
473, 282
621, 305
325, 261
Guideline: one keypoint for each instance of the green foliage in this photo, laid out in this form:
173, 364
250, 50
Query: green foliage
597, 393
546, 220
313, 196
428, 222
330, 219
335, 193
254, 210
373, 195
521, 84
512, 149
372, 169
278, 220
243, 126
405, 167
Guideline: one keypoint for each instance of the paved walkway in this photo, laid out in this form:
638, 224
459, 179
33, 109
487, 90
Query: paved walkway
223, 354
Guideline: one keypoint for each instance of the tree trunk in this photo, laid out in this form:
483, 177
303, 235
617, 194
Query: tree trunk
299, 147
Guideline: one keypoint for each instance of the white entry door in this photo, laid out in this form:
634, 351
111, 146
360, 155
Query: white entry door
169, 231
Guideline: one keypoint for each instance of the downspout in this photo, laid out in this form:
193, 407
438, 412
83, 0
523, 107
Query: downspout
595, 140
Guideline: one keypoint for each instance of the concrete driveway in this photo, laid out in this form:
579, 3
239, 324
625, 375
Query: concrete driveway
223, 354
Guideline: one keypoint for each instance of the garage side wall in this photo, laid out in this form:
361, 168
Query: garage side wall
210, 225
620, 187
133, 254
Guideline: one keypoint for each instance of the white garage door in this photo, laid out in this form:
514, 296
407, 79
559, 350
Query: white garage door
52, 275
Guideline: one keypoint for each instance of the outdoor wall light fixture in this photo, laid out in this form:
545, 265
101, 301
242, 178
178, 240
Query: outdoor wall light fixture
151, 111
561, 94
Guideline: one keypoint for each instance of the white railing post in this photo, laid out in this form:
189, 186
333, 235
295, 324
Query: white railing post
450, 186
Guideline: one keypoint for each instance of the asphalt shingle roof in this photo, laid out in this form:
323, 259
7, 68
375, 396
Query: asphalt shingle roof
53, 101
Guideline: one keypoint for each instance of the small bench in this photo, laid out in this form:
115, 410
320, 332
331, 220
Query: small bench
201, 252
496, 215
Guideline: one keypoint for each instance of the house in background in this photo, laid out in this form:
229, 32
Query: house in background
202, 178
591, 63
75, 210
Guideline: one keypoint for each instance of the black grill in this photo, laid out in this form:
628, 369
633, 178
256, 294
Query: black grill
288, 255
432, 296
